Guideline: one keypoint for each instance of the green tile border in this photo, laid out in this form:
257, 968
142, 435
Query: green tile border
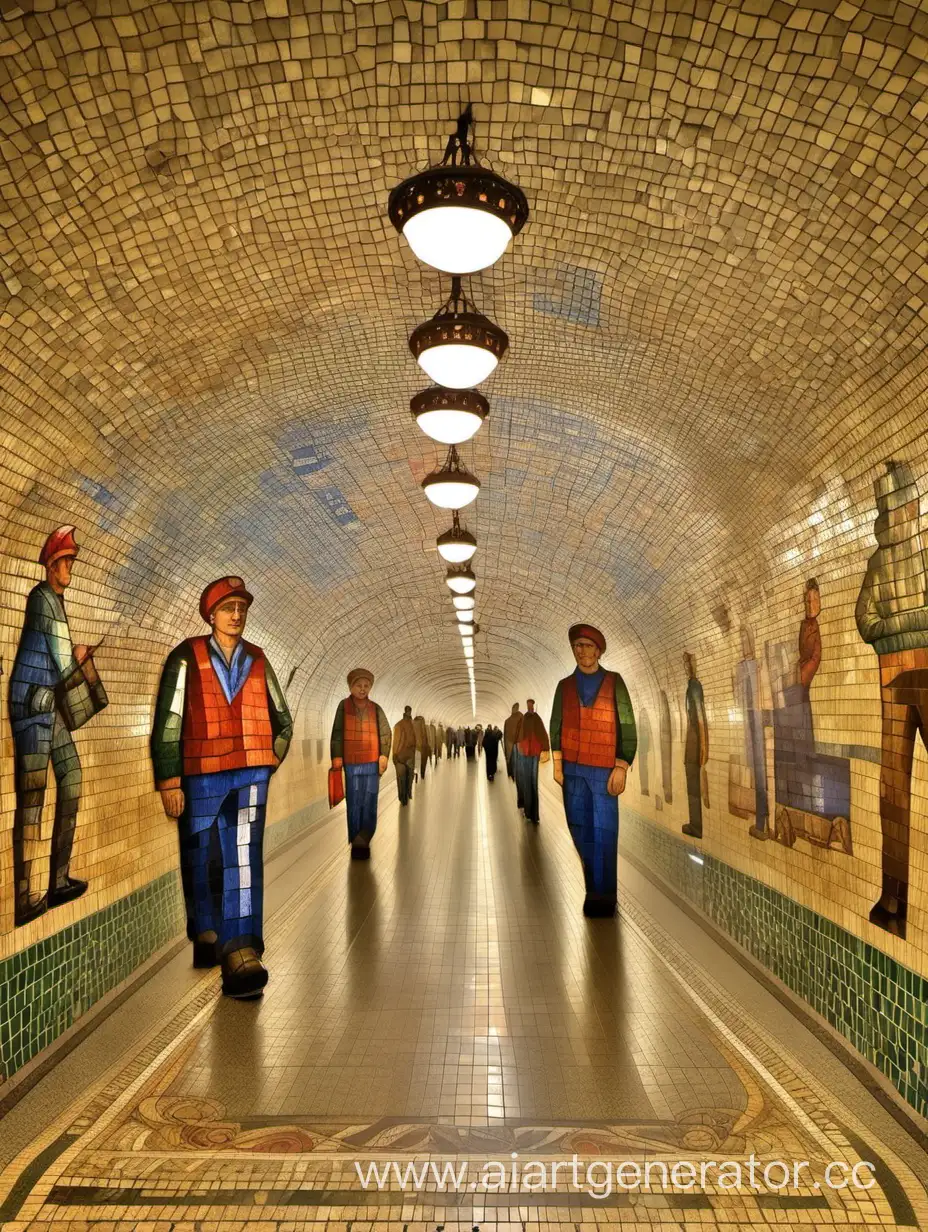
877, 1004
47, 987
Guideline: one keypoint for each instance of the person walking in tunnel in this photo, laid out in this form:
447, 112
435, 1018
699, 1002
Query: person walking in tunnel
434, 744
449, 742
491, 739
221, 729
534, 746
892, 617
404, 755
695, 749
593, 742
54, 689
459, 741
478, 732
510, 732
470, 743
423, 749
360, 743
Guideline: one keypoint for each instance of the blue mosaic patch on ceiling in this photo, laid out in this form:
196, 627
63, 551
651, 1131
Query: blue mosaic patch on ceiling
574, 294
336, 506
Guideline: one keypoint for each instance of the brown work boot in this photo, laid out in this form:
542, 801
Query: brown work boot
243, 974
29, 907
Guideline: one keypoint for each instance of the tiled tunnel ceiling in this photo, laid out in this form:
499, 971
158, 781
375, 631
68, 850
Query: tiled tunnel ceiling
205, 310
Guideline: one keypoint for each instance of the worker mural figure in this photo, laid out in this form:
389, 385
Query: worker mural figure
404, 755
221, 729
361, 740
510, 731
54, 690
695, 750
666, 735
746, 687
593, 741
534, 746
892, 617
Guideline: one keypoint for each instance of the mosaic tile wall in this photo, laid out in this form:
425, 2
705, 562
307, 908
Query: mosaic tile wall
878, 1004
718, 312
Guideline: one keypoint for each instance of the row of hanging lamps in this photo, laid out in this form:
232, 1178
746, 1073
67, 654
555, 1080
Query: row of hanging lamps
458, 217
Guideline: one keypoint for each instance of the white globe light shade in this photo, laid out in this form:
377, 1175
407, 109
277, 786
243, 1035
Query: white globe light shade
465, 618
464, 603
451, 493
457, 239
450, 416
456, 546
457, 365
461, 583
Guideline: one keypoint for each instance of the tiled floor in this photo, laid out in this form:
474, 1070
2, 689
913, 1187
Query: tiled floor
449, 1002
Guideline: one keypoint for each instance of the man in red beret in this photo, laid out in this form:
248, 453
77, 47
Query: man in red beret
221, 729
593, 742
533, 747
54, 689
361, 740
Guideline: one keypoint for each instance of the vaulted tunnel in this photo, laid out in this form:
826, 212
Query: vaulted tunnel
716, 315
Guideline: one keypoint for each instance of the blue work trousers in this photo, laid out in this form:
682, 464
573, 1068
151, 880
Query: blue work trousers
222, 859
593, 819
362, 786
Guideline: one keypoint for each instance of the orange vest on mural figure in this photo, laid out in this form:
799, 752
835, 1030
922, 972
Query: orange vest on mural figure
362, 735
222, 735
588, 733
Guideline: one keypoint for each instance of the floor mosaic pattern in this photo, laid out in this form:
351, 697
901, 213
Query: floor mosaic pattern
449, 1003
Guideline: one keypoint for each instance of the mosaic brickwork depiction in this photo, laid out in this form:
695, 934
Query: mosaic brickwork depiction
717, 397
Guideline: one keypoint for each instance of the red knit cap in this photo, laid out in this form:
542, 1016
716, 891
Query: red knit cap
575, 632
59, 543
221, 589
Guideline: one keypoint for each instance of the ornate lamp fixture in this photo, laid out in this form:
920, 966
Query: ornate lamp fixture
453, 486
458, 216
456, 545
461, 581
450, 416
464, 603
465, 618
459, 347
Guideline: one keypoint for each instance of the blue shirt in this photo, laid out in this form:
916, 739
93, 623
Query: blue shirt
232, 673
588, 685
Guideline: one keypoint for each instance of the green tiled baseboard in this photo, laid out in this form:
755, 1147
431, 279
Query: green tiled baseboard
45, 988
878, 1005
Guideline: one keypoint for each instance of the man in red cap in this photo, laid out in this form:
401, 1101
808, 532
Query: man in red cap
593, 741
533, 746
221, 729
54, 689
361, 741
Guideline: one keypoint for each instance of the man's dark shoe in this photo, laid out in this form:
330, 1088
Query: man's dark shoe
67, 893
598, 907
890, 916
692, 830
243, 974
205, 950
29, 909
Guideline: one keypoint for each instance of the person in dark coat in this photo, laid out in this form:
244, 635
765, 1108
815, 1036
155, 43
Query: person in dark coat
491, 740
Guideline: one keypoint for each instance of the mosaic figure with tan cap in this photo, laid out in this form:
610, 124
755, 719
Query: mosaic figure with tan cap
361, 741
593, 742
54, 689
221, 729
892, 617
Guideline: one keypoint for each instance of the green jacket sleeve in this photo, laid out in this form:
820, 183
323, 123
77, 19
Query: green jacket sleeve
337, 743
554, 727
166, 746
281, 720
386, 735
626, 738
